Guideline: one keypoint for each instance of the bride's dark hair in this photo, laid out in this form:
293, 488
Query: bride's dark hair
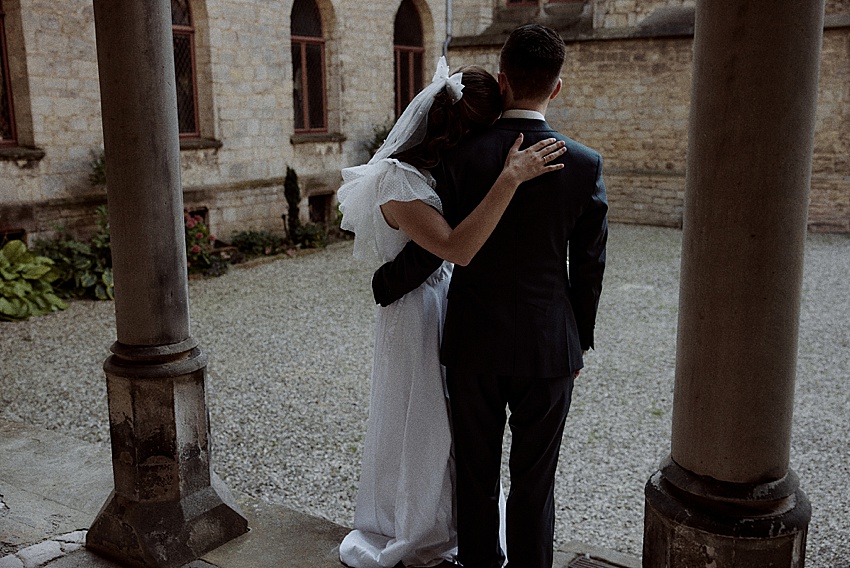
479, 107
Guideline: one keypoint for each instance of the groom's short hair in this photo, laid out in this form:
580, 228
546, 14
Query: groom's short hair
531, 59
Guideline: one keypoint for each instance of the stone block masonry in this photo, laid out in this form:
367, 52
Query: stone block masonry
626, 96
630, 100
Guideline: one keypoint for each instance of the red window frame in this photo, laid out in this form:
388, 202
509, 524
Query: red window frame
7, 81
189, 32
409, 52
303, 42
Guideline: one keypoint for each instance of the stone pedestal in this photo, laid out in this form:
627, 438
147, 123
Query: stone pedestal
692, 521
168, 507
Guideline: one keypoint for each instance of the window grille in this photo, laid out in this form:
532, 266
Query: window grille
308, 68
409, 48
7, 117
183, 33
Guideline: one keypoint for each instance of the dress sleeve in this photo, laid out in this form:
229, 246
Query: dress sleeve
365, 188
403, 182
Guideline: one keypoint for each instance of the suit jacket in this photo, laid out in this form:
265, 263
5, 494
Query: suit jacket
517, 309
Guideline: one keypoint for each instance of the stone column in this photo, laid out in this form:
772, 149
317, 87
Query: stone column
168, 507
725, 496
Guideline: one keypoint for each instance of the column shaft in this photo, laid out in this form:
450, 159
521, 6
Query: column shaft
139, 103
749, 164
725, 496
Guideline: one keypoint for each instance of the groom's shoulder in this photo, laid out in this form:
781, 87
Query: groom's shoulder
580, 153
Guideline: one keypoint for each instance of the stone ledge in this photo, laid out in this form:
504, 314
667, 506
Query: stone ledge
200, 144
21, 153
309, 137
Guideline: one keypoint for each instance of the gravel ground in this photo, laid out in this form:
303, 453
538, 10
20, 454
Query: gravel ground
290, 346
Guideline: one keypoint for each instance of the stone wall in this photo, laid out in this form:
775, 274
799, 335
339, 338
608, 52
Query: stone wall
629, 98
829, 207
629, 13
55, 110
627, 87
244, 81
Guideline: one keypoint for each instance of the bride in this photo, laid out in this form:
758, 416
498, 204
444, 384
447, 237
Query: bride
404, 511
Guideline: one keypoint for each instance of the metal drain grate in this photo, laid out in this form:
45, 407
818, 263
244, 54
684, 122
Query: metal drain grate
585, 562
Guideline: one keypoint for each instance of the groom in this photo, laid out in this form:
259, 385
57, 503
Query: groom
518, 319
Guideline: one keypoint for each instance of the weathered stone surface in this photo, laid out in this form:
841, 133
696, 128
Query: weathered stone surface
11, 561
48, 490
282, 538
684, 533
39, 554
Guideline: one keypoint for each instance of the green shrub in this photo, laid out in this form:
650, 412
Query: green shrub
292, 193
25, 284
312, 235
253, 243
379, 134
97, 175
82, 270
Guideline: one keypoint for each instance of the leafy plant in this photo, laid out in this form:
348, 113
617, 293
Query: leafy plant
379, 134
100, 243
312, 235
97, 175
336, 231
292, 193
79, 271
255, 243
25, 284
200, 247
82, 270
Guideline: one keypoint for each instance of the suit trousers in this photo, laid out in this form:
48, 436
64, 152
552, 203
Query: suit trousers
538, 409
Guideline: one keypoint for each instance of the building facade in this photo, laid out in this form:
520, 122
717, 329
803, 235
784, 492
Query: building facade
265, 85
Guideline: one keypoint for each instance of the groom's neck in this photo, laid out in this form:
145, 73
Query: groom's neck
538, 106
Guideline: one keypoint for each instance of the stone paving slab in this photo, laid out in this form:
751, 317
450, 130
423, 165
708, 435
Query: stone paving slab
52, 487
82, 473
281, 538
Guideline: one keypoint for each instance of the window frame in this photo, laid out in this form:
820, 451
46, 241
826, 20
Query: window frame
188, 31
303, 42
7, 81
409, 52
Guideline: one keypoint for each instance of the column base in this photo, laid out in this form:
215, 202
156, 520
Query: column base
693, 521
168, 507
166, 534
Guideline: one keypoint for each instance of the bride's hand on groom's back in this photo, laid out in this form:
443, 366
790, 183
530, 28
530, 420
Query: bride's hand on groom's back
523, 165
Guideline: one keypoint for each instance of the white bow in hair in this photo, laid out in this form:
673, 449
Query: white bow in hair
453, 84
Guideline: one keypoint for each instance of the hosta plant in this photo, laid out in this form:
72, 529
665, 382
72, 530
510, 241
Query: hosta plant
80, 271
25, 284
84, 270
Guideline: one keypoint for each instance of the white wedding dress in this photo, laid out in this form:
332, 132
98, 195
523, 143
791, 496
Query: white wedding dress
404, 510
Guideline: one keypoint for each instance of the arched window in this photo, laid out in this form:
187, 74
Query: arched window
183, 33
308, 68
7, 115
409, 47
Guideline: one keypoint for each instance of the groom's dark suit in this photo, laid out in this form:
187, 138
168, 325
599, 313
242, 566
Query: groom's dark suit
516, 324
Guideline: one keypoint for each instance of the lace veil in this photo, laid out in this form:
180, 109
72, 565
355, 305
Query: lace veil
410, 128
365, 187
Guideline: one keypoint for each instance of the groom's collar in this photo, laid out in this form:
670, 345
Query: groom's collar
523, 113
